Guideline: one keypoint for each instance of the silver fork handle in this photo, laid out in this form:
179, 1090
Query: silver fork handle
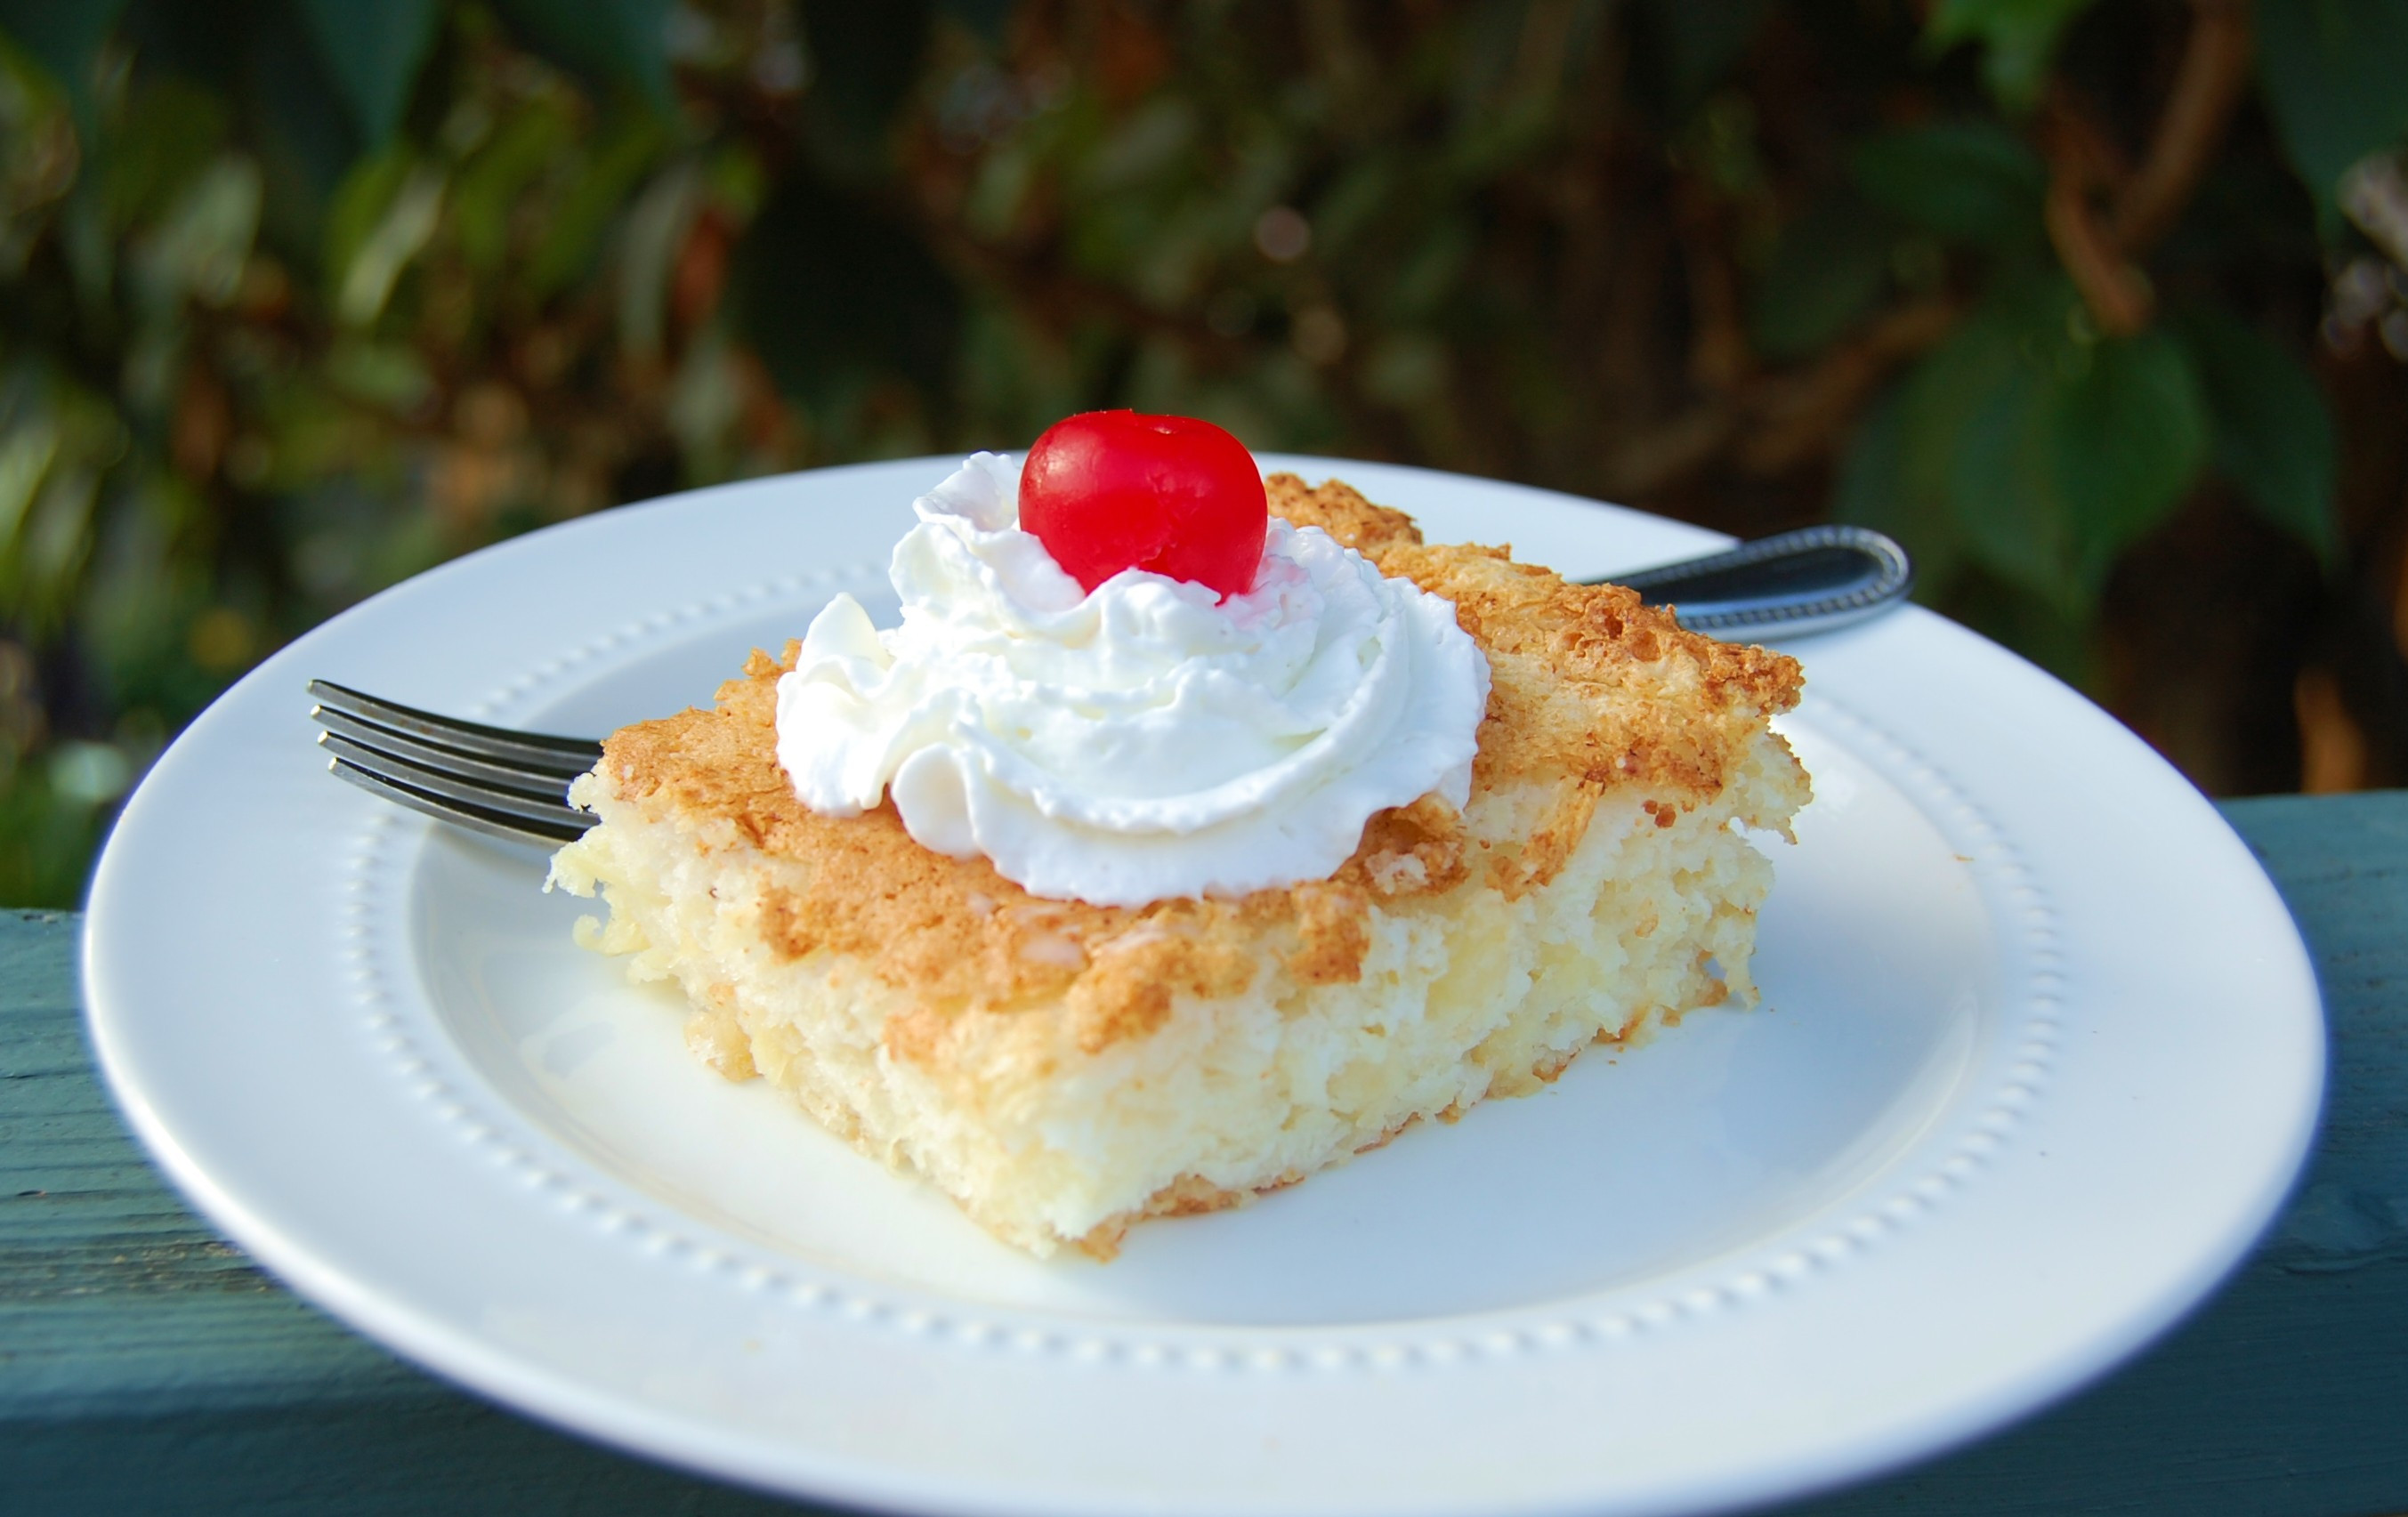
1791, 583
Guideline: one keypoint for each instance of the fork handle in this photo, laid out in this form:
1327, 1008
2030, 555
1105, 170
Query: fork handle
1812, 579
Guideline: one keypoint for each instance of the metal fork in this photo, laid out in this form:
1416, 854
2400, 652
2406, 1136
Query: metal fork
512, 784
515, 784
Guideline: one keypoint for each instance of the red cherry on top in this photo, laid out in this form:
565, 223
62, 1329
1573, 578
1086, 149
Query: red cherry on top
1108, 491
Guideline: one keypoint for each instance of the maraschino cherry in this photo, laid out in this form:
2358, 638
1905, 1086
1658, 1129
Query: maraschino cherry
1108, 491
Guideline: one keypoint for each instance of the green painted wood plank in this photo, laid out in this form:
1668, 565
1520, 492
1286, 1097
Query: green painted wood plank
441, 1453
146, 1365
145, 1362
114, 1299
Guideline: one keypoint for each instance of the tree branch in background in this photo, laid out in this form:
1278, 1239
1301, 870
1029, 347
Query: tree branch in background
1787, 419
1800, 417
1719, 354
2116, 292
2100, 252
2082, 163
1671, 451
2213, 75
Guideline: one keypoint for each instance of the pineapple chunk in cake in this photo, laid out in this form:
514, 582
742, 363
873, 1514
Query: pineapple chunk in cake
1063, 1070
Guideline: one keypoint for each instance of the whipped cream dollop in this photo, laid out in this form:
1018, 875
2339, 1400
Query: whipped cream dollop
1144, 742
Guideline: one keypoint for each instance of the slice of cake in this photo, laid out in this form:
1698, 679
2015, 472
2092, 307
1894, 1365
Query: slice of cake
1064, 1069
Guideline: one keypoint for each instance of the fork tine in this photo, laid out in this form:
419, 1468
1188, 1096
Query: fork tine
540, 752
539, 784
450, 796
459, 813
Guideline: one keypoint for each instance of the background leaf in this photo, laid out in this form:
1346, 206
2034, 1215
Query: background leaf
1827, 271
492, 182
2273, 432
1875, 490
1974, 414
166, 138
866, 58
374, 48
839, 295
590, 203
302, 124
1970, 182
620, 43
360, 204
2052, 454
986, 20
1694, 45
2336, 76
64, 38
2018, 40
2127, 434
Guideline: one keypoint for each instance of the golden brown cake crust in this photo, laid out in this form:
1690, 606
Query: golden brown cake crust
1591, 692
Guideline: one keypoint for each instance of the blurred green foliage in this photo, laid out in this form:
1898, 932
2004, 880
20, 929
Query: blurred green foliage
299, 298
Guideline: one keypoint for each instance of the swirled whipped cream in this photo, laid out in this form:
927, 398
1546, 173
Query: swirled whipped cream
1144, 742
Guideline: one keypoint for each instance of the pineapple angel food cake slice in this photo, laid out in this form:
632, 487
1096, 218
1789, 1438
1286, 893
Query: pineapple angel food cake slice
1134, 875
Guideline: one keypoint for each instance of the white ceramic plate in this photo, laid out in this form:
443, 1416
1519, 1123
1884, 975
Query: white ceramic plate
2040, 1055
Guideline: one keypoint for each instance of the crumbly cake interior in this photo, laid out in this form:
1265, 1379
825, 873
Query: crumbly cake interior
1063, 1070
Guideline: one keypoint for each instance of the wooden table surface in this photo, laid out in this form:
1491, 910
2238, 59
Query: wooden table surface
147, 1365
